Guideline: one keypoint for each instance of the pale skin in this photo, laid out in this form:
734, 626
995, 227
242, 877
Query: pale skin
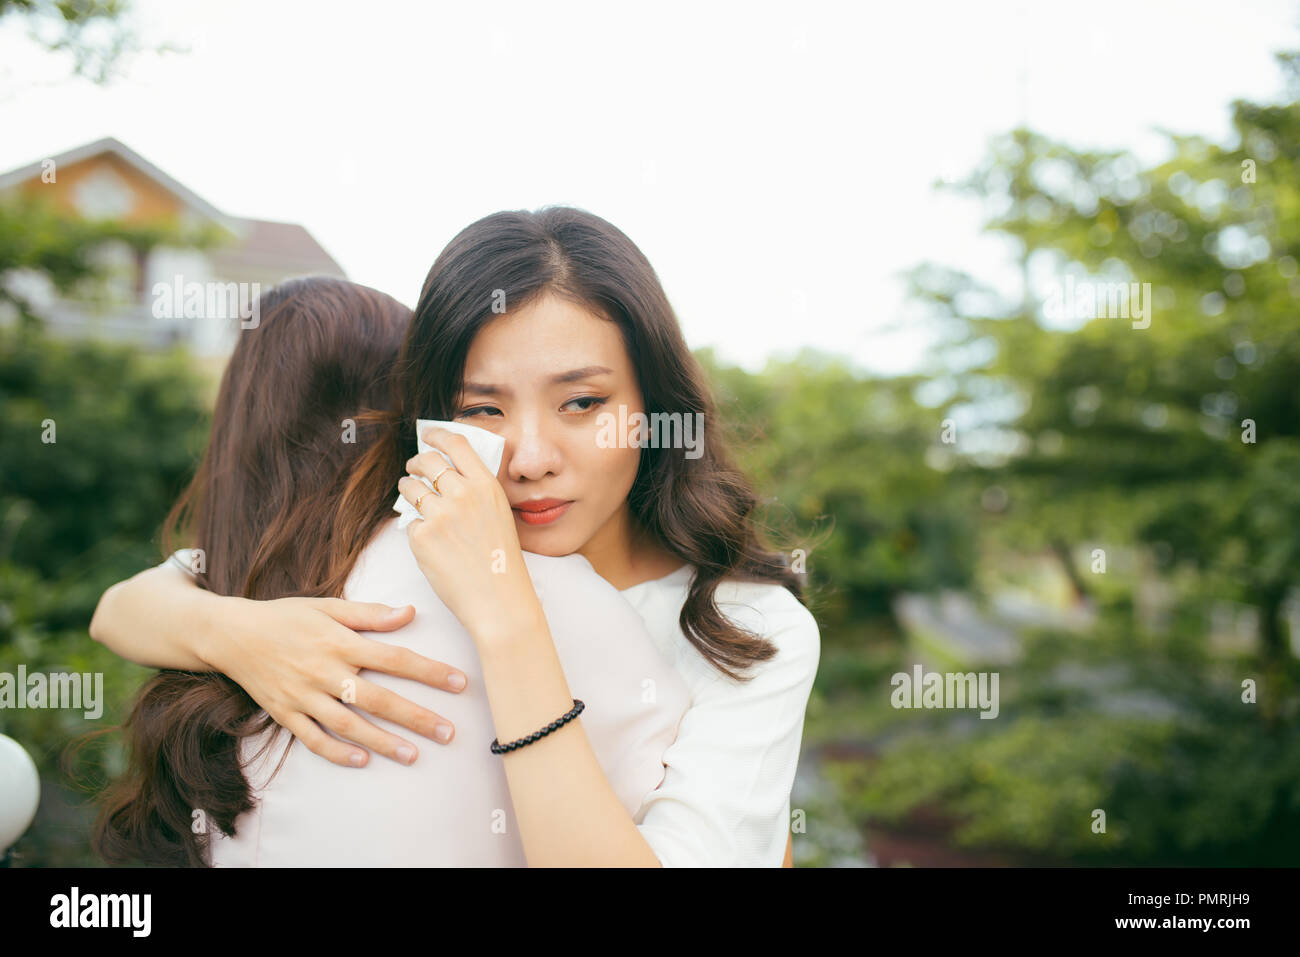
292, 655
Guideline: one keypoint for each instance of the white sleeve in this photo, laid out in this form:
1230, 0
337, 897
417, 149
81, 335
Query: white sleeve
725, 796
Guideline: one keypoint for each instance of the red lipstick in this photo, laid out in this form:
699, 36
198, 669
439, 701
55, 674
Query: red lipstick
541, 511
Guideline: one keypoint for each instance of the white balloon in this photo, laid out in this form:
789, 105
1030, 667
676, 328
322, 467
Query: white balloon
20, 791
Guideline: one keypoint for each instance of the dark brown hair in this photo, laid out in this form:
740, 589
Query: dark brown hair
296, 409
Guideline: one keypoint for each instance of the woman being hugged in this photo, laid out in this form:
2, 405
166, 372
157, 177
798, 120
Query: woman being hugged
551, 330
283, 431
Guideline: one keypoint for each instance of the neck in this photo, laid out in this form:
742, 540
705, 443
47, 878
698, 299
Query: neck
623, 555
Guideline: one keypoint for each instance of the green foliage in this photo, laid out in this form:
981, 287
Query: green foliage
127, 429
1190, 780
840, 455
1176, 436
76, 515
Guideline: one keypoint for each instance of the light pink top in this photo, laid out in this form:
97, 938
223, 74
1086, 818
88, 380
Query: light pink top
452, 806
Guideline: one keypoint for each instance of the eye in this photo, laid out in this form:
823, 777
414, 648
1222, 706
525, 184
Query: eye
595, 401
469, 413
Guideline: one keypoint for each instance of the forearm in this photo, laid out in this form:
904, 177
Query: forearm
158, 618
568, 814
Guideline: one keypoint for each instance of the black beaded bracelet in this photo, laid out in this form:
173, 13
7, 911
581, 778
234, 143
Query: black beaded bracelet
529, 739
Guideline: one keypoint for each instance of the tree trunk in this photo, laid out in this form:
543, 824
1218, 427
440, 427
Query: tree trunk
1062, 551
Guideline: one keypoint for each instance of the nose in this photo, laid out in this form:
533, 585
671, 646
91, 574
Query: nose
531, 451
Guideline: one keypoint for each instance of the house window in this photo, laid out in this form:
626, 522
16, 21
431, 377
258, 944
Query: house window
104, 195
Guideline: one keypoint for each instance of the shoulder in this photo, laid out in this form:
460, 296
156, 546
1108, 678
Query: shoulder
771, 611
567, 578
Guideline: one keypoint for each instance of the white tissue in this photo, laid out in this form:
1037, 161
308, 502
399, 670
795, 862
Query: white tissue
487, 445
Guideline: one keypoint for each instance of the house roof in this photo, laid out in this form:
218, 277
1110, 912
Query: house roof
260, 241
287, 244
119, 149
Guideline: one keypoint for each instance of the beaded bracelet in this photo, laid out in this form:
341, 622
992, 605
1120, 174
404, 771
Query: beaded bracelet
529, 739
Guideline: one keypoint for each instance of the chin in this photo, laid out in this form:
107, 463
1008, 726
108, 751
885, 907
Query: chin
545, 545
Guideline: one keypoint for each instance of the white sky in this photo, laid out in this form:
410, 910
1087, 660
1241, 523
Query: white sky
774, 161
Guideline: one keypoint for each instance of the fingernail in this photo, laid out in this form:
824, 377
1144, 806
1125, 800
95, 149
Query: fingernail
405, 755
456, 680
357, 758
443, 733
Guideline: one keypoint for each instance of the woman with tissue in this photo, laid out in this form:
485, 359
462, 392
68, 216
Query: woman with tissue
540, 327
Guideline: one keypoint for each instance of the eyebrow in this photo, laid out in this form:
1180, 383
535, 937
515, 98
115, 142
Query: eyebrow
574, 375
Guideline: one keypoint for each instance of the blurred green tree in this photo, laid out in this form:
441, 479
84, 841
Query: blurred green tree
1164, 415
839, 457
1178, 430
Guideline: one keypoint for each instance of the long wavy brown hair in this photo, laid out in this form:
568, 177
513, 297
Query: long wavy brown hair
275, 466
295, 412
